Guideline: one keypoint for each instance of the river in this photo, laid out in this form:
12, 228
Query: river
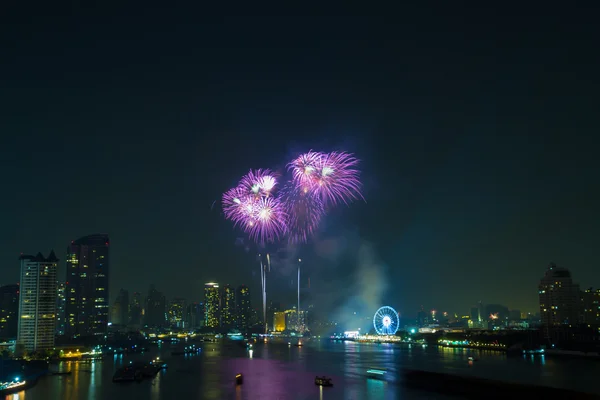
278, 371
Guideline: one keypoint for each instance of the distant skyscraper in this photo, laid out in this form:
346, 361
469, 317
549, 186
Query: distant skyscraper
560, 302
177, 309
135, 309
61, 302
37, 302
590, 299
212, 305
155, 308
9, 311
228, 312
87, 286
120, 309
244, 307
194, 315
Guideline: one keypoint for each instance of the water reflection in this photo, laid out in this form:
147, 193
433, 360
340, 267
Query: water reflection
155, 388
92, 391
375, 389
274, 371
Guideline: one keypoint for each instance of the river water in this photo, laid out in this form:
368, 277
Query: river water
278, 371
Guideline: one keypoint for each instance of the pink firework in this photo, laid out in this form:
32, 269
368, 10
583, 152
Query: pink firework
303, 210
268, 222
238, 206
318, 180
260, 182
336, 179
305, 169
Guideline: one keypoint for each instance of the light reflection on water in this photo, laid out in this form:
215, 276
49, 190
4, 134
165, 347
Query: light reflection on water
278, 371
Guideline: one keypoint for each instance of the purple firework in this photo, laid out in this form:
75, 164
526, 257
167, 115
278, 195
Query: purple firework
318, 180
303, 210
337, 179
238, 206
268, 221
305, 169
260, 182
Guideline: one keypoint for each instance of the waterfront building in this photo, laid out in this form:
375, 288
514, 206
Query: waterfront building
87, 292
559, 299
37, 302
9, 311
212, 303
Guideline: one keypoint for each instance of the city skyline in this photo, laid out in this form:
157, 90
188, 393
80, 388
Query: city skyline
473, 184
291, 293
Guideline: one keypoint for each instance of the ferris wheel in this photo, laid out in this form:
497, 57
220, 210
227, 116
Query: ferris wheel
386, 321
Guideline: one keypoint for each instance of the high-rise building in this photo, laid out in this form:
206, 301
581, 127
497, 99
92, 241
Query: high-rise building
279, 321
87, 286
212, 313
61, 302
155, 312
195, 315
244, 308
37, 302
120, 310
559, 299
590, 300
177, 310
135, 309
228, 309
9, 311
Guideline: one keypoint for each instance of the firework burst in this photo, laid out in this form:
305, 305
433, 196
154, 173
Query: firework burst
318, 180
305, 169
260, 182
336, 179
238, 206
268, 222
303, 211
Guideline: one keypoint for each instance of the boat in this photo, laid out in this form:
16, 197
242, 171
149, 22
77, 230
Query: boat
15, 386
239, 379
473, 359
376, 373
323, 381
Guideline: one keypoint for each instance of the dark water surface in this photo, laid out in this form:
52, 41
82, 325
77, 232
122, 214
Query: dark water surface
278, 371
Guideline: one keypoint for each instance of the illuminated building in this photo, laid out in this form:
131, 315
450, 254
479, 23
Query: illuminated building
212, 314
9, 311
120, 309
590, 299
37, 302
61, 301
279, 321
87, 286
177, 312
155, 308
291, 319
559, 299
244, 308
228, 314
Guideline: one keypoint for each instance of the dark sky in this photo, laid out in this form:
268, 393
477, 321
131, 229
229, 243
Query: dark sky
478, 132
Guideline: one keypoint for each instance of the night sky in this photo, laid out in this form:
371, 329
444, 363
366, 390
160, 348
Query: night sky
477, 131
